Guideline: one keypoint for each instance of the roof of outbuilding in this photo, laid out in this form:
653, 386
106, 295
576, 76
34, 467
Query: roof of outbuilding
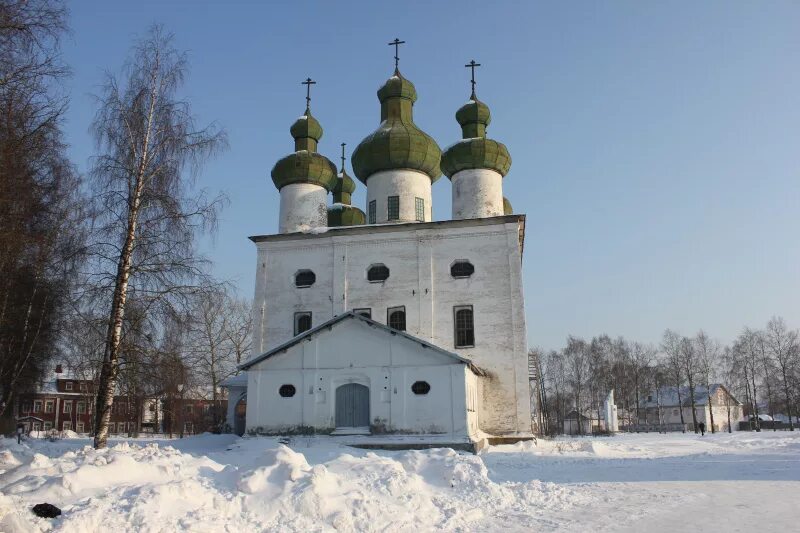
354, 316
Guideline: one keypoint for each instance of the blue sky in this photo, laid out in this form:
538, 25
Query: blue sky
655, 145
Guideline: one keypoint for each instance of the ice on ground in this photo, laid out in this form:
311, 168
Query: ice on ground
221, 483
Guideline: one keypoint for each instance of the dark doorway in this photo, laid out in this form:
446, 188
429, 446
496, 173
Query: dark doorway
352, 406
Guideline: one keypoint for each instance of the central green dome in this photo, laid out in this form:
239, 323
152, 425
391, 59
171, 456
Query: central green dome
397, 143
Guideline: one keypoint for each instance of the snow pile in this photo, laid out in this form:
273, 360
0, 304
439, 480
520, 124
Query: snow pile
218, 483
159, 488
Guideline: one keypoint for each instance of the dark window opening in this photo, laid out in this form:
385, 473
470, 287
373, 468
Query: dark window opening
393, 208
287, 391
365, 311
462, 269
420, 387
419, 209
304, 278
464, 327
377, 273
372, 212
302, 322
396, 318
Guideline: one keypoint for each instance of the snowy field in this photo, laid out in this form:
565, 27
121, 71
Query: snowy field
214, 483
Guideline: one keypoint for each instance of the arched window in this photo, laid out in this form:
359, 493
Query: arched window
302, 322
421, 387
377, 272
464, 326
287, 391
304, 278
396, 318
462, 269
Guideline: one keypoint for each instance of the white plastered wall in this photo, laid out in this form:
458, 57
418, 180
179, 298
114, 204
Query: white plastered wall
408, 185
419, 261
477, 193
354, 352
304, 206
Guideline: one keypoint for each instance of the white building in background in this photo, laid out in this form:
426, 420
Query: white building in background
663, 408
390, 322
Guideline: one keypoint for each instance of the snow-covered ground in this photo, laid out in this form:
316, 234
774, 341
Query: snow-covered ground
739, 482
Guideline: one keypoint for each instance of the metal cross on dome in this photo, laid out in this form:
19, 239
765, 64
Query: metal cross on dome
308, 83
471, 65
396, 43
343, 157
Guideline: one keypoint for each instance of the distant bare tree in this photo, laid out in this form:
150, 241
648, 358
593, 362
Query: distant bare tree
576, 356
148, 214
784, 349
671, 345
708, 353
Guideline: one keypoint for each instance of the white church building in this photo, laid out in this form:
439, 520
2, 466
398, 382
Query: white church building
388, 322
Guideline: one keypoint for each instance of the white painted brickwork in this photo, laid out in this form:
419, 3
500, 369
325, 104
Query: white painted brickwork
419, 257
477, 193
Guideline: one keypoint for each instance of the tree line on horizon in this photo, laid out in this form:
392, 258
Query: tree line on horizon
760, 368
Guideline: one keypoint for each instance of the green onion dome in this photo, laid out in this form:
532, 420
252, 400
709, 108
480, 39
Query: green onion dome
507, 209
397, 143
475, 150
305, 165
345, 215
343, 190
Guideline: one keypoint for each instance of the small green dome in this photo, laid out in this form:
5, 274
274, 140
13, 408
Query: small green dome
306, 126
305, 165
345, 215
474, 112
475, 150
507, 209
344, 183
397, 143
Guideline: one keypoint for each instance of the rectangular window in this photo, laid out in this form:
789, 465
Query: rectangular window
37, 426
37, 406
67, 406
372, 213
26, 407
68, 385
396, 318
464, 326
83, 386
363, 311
302, 322
67, 425
49, 406
48, 426
206, 408
419, 209
393, 208
187, 427
81, 408
189, 408
79, 427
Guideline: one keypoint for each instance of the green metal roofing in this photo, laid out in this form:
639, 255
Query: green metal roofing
305, 165
507, 209
345, 215
397, 143
344, 188
475, 150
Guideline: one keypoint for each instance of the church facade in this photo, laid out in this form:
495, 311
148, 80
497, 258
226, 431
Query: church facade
385, 321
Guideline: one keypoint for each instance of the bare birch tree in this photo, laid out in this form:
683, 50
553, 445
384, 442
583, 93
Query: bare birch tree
784, 349
707, 361
148, 213
671, 345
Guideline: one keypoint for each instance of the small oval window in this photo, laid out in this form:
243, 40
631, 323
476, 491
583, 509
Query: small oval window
287, 391
379, 272
462, 269
304, 278
420, 387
